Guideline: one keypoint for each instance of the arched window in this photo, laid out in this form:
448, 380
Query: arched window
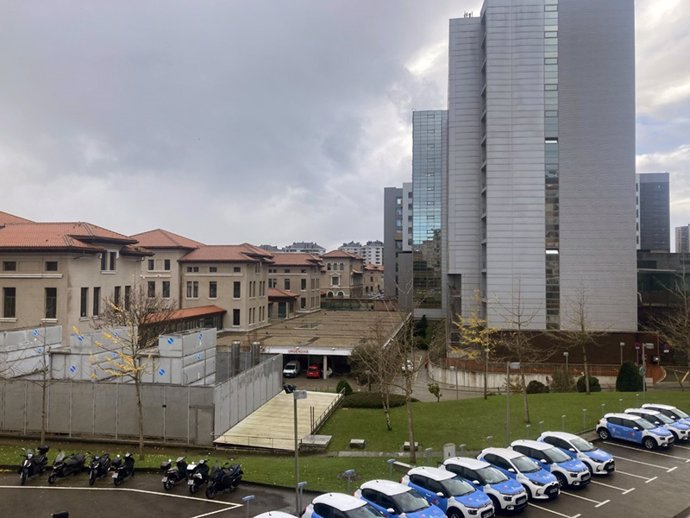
341, 294
328, 266
342, 267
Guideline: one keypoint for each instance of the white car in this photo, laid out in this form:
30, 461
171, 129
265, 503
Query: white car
539, 482
291, 369
341, 505
679, 429
275, 514
569, 472
598, 461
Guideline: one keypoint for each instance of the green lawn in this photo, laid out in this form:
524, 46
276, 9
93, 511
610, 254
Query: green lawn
466, 422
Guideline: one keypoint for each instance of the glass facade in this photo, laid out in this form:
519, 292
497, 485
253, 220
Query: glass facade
429, 138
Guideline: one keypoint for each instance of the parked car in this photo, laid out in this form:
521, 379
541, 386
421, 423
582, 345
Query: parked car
680, 430
291, 369
539, 482
598, 461
275, 514
632, 428
506, 494
314, 371
569, 472
394, 500
454, 496
669, 411
330, 505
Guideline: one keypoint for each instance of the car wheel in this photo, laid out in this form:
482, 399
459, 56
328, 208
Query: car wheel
453, 513
649, 443
562, 482
496, 503
589, 468
604, 434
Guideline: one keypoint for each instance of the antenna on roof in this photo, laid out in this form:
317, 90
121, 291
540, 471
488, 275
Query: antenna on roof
468, 14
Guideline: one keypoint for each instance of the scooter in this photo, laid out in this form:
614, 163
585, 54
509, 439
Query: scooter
98, 467
175, 474
197, 475
123, 468
65, 465
224, 478
34, 463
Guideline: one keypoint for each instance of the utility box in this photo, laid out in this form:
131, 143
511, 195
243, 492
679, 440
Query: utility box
448, 450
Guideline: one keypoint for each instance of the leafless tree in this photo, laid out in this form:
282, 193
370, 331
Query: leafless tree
673, 325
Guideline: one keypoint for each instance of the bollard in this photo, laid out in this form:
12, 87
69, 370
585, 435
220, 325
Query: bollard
245, 501
563, 423
541, 425
390, 468
584, 419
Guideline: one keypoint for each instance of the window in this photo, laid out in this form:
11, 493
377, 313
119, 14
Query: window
113, 260
213, 269
213, 289
303, 284
9, 303
9, 266
272, 283
84, 301
342, 267
302, 303
117, 295
236, 269
235, 317
334, 280
51, 266
286, 270
166, 289
166, 265
128, 297
192, 289
286, 283
236, 289
104, 261
151, 265
192, 269
51, 303
96, 302
151, 291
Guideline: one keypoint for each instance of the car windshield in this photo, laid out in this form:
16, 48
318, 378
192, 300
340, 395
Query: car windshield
410, 501
556, 455
364, 511
457, 486
680, 413
582, 445
491, 475
663, 418
525, 465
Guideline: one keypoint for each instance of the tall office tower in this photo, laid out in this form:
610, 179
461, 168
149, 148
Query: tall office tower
683, 240
653, 212
541, 164
429, 164
397, 239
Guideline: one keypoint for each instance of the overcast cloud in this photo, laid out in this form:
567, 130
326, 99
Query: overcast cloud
255, 120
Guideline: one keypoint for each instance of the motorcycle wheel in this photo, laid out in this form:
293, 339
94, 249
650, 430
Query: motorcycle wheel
194, 488
92, 478
235, 483
117, 481
22, 477
52, 479
168, 485
210, 492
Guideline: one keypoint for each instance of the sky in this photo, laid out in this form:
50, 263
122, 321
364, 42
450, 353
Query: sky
258, 121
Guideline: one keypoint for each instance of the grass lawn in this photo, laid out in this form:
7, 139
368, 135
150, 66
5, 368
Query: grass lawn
467, 422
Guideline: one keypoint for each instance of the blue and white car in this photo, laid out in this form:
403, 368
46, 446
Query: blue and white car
394, 499
539, 483
329, 505
598, 461
680, 430
631, 428
568, 471
669, 411
505, 493
275, 514
454, 496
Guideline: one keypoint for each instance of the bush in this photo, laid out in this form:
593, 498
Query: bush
536, 387
593, 384
371, 400
629, 378
562, 381
344, 388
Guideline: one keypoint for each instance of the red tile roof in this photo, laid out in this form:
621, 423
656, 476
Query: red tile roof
296, 259
7, 218
373, 267
201, 311
277, 293
58, 236
244, 253
340, 254
160, 238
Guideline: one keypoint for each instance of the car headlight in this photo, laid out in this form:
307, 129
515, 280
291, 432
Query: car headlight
508, 498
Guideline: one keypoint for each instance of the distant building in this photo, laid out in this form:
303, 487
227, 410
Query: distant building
373, 280
301, 247
397, 244
270, 248
653, 212
295, 279
683, 239
342, 275
371, 252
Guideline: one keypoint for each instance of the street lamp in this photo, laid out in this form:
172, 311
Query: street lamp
486, 371
296, 394
644, 368
622, 344
566, 354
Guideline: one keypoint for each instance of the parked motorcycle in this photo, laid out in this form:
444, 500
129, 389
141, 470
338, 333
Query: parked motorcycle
98, 467
224, 478
123, 468
197, 475
34, 463
173, 474
65, 465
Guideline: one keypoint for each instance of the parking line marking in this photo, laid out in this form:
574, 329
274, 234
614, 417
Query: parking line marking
543, 509
672, 469
643, 463
214, 512
646, 479
621, 489
650, 480
599, 504
676, 445
649, 452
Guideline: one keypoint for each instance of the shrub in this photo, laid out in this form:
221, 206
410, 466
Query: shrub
435, 390
593, 384
536, 387
343, 387
629, 378
371, 400
562, 381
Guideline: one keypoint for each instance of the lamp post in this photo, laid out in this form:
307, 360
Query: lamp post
566, 354
296, 394
246, 500
486, 371
622, 344
644, 367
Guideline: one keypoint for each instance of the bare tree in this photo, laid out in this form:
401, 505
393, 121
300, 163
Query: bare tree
673, 325
133, 327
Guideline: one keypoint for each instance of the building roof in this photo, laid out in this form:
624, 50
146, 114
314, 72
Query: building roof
373, 267
244, 253
277, 293
295, 259
7, 218
201, 311
79, 236
160, 238
340, 254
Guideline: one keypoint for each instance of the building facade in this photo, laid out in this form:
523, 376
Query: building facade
540, 199
653, 212
342, 275
397, 244
298, 274
683, 239
371, 252
301, 247
373, 280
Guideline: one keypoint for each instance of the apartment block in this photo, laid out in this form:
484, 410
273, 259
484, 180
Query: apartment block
371, 252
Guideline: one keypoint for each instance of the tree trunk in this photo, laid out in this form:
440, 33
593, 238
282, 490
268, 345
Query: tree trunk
586, 365
44, 412
410, 421
486, 373
524, 396
385, 401
140, 407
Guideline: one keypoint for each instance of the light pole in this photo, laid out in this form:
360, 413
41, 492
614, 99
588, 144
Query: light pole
454, 369
246, 500
644, 367
486, 371
566, 354
296, 394
622, 344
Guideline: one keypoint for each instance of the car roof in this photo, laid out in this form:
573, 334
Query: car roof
432, 473
659, 405
275, 514
387, 487
646, 411
530, 443
506, 453
340, 501
622, 415
566, 436
467, 462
